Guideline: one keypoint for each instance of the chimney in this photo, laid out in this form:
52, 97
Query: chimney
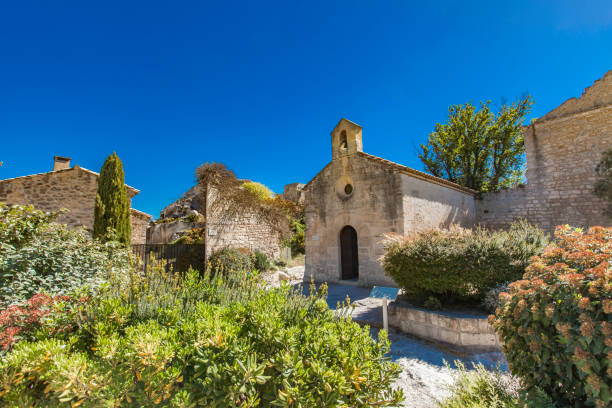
61, 163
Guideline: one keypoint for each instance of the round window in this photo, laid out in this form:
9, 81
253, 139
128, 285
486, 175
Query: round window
348, 189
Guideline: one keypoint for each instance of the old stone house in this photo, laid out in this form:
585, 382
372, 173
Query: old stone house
357, 197
562, 150
73, 188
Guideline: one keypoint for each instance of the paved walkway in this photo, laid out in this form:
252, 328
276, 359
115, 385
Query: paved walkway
424, 376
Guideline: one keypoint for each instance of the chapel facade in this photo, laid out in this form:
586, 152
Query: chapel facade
358, 197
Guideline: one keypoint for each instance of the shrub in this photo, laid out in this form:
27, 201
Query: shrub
556, 323
490, 302
228, 260
603, 185
258, 190
297, 241
432, 303
480, 388
262, 263
37, 255
460, 264
159, 339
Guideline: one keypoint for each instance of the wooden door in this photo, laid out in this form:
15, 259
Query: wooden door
348, 253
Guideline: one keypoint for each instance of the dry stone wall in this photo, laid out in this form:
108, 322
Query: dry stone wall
562, 150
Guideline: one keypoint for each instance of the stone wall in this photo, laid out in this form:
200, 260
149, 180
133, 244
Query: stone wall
428, 205
472, 332
242, 230
562, 151
140, 222
374, 207
73, 189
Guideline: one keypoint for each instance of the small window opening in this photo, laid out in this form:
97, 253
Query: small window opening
343, 142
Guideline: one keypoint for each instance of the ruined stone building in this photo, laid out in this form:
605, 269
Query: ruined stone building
357, 197
220, 228
73, 188
562, 149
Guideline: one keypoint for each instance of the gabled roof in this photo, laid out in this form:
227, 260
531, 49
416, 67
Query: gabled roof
75, 167
408, 171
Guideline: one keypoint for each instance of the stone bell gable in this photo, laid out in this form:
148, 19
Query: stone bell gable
358, 197
562, 149
73, 188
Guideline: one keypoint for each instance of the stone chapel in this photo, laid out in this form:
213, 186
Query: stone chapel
357, 197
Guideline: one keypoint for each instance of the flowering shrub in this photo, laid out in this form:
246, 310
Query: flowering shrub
38, 255
459, 263
20, 322
556, 323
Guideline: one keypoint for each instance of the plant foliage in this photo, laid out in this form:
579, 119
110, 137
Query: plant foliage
112, 209
231, 260
226, 197
603, 185
37, 254
457, 263
556, 323
260, 191
156, 339
477, 148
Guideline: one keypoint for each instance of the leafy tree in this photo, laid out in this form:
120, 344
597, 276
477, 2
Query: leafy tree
477, 148
112, 211
603, 186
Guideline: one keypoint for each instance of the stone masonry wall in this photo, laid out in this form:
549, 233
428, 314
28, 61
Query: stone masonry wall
74, 189
140, 223
562, 150
428, 205
244, 230
373, 208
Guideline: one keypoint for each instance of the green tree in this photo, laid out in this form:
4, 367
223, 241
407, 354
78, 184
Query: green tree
478, 148
603, 185
112, 211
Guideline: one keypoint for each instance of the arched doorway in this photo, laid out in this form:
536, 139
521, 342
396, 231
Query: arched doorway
349, 259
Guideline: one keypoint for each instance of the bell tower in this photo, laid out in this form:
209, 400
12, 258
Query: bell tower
346, 139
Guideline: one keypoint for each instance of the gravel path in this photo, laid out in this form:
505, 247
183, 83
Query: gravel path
424, 377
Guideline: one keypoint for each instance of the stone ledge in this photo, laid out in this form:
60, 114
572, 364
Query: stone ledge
459, 331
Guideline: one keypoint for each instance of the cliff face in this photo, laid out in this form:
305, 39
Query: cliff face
190, 203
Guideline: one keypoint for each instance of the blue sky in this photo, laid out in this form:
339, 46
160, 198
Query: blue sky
259, 85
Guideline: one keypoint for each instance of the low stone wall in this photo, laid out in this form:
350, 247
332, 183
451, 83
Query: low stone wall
462, 331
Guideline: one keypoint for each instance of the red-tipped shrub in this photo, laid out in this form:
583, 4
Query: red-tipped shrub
556, 323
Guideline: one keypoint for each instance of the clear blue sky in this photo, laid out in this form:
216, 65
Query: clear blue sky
259, 85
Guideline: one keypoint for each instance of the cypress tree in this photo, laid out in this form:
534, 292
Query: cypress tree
112, 210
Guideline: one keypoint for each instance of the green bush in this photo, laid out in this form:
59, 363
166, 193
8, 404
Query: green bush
481, 388
556, 323
158, 339
262, 263
258, 190
37, 255
460, 264
229, 260
490, 302
297, 241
